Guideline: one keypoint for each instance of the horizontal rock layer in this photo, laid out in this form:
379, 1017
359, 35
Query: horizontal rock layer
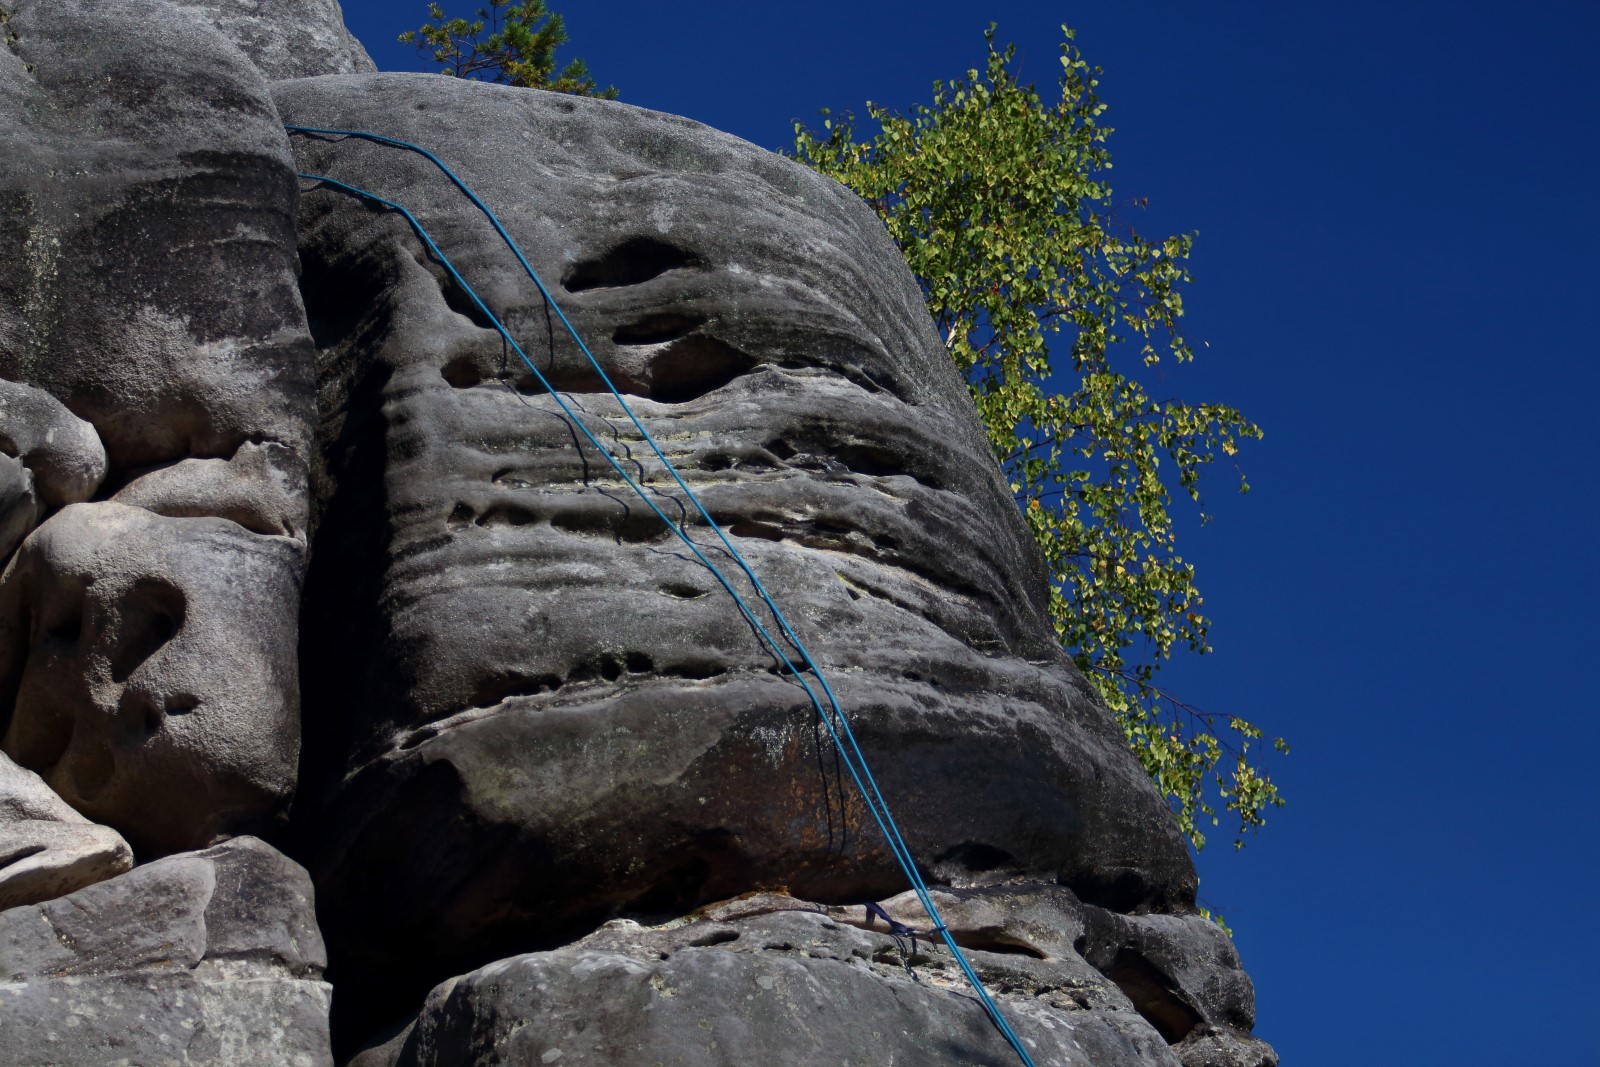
771, 979
202, 958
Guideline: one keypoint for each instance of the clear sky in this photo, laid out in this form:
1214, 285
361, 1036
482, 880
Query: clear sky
1398, 227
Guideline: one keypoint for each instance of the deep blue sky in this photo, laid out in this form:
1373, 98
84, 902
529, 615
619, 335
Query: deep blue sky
1398, 222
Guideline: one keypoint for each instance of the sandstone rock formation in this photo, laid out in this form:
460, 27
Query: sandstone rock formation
771, 979
202, 958
551, 714
265, 466
47, 849
147, 664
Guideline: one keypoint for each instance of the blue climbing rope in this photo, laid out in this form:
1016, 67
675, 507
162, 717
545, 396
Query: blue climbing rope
832, 716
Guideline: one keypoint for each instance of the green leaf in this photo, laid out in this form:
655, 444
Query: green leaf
1054, 308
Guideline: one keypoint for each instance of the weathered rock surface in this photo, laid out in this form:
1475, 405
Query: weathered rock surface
153, 349
775, 980
529, 711
203, 958
1180, 972
552, 715
48, 458
148, 198
19, 504
47, 849
287, 38
62, 452
151, 663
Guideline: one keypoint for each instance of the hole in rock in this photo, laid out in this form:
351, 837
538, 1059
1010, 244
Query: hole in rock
657, 329
683, 591
500, 688
461, 516
694, 366
66, 631
616, 520
630, 263
974, 856
750, 528
182, 703
148, 617
639, 663
462, 372
510, 478
715, 461
789, 668
457, 300
871, 460
139, 715
605, 667
990, 941
1153, 996
502, 514
714, 937
694, 672
781, 448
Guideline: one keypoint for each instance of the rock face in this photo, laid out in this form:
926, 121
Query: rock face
155, 353
770, 979
148, 699
550, 714
286, 38
203, 958
261, 459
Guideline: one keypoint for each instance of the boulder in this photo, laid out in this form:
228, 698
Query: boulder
148, 199
537, 727
48, 458
204, 958
48, 850
60, 450
150, 668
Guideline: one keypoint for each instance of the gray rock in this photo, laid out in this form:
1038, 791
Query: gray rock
147, 202
47, 850
287, 38
149, 305
149, 668
1180, 972
769, 981
19, 505
530, 709
205, 958
260, 487
61, 450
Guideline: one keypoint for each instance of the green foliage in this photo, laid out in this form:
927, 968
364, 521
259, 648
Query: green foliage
1000, 205
520, 48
